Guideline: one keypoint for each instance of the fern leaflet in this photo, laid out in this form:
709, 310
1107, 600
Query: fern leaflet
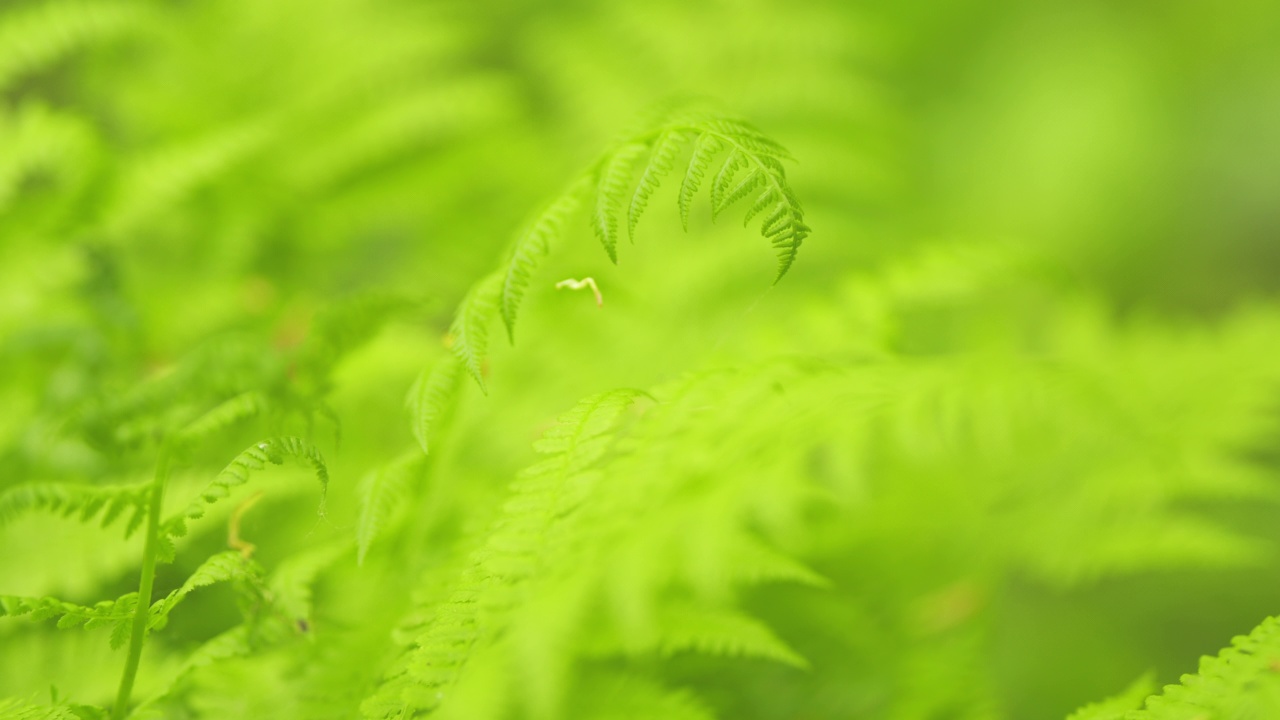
430, 397
470, 328
86, 502
379, 491
238, 472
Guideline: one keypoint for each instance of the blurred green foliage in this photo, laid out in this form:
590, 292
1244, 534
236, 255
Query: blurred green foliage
1002, 440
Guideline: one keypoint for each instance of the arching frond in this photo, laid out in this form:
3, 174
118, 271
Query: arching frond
256, 457
226, 566
783, 226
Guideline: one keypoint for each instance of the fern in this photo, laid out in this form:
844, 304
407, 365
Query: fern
783, 226
256, 457
1241, 681
470, 329
380, 491
85, 502
430, 397
223, 567
533, 244
114, 613
615, 179
661, 161
704, 148
509, 555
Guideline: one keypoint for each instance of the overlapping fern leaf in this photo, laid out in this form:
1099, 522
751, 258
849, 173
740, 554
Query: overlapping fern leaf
604, 549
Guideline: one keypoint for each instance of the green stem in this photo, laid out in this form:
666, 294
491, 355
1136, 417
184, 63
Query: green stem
141, 614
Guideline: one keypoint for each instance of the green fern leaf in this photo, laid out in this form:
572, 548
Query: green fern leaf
379, 493
256, 457
661, 162
85, 502
615, 179
430, 398
720, 186
226, 566
470, 328
1242, 681
704, 148
117, 613
533, 244
485, 594
721, 632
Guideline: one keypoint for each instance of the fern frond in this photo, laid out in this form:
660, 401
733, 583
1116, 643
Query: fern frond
486, 592
226, 566
85, 502
1242, 681
722, 632
70, 615
661, 162
36, 36
533, 244
379, 492
704, 148
256, 457
430, 398
755, 563
470, 328
615, 180
611, 177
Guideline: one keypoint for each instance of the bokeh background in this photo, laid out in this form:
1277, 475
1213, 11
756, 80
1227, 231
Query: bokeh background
175, 171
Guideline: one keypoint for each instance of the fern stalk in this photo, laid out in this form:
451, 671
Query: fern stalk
141, 613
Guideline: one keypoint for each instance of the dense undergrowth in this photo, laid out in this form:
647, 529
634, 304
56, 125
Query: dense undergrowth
413, 360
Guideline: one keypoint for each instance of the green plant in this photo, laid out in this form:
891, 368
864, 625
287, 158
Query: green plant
926, 473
